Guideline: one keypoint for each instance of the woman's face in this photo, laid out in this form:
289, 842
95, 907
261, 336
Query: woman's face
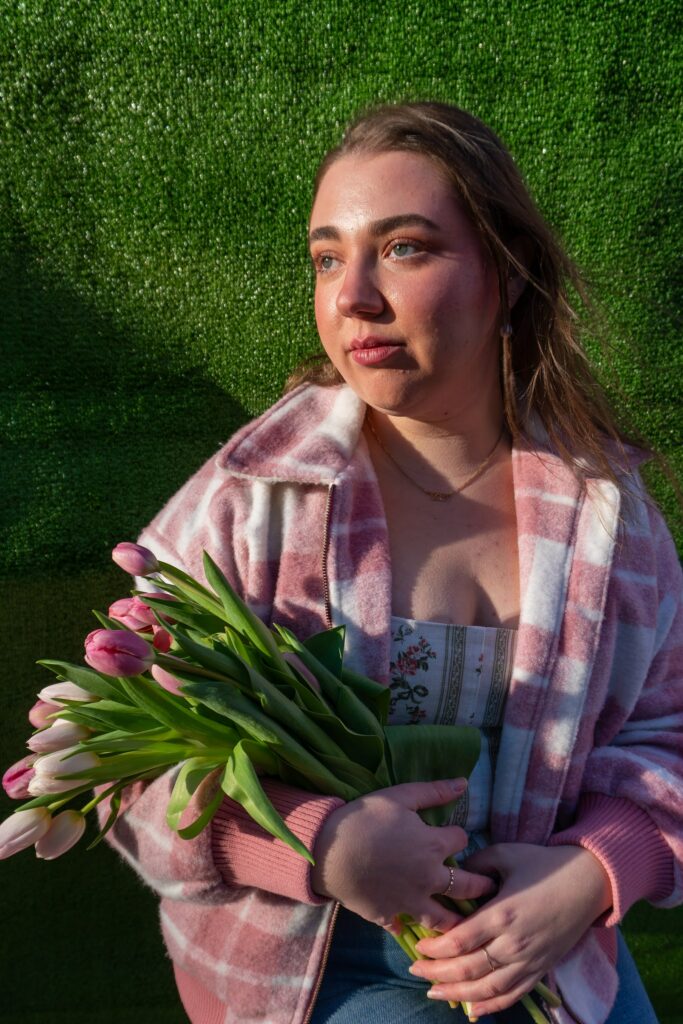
406, 297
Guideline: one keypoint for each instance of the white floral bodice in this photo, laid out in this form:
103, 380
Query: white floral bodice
455, 675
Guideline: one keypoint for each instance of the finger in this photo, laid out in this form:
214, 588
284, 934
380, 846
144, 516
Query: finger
417, 795
486, 996
438, 918
489, 861
474, 932
465, 968
465, 885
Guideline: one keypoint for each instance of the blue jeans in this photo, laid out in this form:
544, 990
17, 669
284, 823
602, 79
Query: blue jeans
367, 982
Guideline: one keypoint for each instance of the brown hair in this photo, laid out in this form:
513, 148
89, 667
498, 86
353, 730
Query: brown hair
544, 369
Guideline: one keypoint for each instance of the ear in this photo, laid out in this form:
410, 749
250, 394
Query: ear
522, 248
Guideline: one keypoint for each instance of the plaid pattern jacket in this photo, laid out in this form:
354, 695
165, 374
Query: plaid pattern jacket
591, 742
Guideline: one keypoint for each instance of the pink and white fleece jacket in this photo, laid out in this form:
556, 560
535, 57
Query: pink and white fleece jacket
591, 746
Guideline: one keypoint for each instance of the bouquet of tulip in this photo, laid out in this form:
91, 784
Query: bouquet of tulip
189, 676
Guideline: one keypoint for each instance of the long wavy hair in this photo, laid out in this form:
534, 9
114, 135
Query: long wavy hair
544, 369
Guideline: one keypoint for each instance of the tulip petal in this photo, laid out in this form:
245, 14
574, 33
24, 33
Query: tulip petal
22, 830
64, 832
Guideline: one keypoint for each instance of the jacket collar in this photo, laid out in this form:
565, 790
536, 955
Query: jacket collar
308, 437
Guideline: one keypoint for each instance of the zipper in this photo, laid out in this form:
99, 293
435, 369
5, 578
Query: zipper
326, 547
328, 622
323, 964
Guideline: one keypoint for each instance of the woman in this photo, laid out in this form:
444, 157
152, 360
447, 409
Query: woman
466, 490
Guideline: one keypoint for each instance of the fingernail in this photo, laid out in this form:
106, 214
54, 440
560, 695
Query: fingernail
459, 785
435, 993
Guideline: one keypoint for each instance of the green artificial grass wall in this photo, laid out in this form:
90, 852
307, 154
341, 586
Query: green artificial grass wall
155, 173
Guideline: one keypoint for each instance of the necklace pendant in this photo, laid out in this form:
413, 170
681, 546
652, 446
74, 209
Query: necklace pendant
438, 495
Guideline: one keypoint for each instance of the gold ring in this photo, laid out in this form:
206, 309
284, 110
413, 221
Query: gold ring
447, 890
489, 959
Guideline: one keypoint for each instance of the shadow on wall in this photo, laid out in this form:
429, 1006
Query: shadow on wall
99, 429
100, 426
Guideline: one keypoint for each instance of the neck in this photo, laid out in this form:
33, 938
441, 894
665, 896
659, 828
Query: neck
451, 444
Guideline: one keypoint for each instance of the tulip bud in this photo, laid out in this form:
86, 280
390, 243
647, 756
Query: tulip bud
135, 559
23, 829
162, 639
64, 832
49, 769
116, 652
64, 691
39, 715
57, 736
132, 612
165, 679
17, 777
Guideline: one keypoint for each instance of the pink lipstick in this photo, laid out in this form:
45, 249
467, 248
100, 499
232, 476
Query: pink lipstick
373, 350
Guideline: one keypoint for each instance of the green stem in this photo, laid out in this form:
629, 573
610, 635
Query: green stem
547, 994
537, 1016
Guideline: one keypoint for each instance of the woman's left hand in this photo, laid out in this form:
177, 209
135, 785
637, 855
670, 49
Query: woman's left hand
548, 898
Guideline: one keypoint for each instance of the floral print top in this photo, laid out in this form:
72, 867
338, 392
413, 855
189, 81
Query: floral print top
454, 675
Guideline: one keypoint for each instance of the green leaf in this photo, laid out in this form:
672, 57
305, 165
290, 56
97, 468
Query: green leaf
200, 823
374, 695
130, 763
227, 701
110, 715
114, 805
188, 589
192, 773
240, 781
88, 678
368, 751
355, 715
425, 753
175, 712
239, 614
183, 612
328, 648
223, 663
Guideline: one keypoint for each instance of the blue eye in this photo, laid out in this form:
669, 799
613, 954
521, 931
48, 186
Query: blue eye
324, 263
401, 249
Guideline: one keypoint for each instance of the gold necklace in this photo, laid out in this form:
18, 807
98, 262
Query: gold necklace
436, 495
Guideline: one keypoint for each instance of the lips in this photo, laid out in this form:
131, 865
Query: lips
373, 350
374, 341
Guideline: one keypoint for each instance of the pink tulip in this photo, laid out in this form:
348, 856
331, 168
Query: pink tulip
39, 715
65, 690
135, 559
64, 832
116, 652
132, 612
23, 829
162, 639
17, 777
165, 679
49, 769
57, 736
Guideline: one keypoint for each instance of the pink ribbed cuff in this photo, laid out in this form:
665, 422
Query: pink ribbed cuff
245, 854
629, 846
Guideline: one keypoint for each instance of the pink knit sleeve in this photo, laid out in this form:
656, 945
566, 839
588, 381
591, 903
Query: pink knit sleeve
629, 846
247, 855
232, 853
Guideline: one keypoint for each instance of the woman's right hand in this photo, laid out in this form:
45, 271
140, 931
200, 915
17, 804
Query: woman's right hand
379, 859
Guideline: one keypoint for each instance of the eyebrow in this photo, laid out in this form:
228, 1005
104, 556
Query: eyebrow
377, 227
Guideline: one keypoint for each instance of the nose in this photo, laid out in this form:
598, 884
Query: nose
359, 294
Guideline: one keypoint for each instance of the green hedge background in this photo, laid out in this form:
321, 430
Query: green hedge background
155, 170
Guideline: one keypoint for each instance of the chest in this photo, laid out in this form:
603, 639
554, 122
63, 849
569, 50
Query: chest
454, 561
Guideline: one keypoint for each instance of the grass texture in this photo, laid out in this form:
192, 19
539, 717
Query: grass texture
156, 161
